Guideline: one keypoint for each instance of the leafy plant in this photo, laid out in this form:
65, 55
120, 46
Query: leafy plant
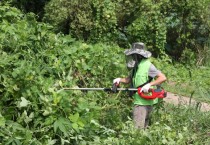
35, 109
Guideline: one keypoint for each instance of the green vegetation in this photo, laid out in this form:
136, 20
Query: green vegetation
187, 80
37, 62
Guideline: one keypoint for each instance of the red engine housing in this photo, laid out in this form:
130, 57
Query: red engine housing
155, 93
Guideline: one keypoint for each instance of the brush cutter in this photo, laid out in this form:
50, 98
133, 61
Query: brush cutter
152, 94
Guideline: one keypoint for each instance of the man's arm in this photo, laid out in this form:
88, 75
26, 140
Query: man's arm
160, 78
122, 80
125, 80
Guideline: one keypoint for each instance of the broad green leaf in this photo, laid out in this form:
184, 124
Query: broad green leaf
24, 102
51, 141
74, 118
63, 125
2, 121
46, 112
81, 124
75, 126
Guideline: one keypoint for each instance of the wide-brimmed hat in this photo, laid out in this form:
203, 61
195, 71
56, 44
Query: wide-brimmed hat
138, 48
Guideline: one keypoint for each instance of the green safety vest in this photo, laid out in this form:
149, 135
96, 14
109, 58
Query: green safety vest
139, 78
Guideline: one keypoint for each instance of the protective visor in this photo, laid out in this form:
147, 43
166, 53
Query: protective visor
130, 61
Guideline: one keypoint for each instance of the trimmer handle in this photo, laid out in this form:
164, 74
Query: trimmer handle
152, 93
114, 87
146, 96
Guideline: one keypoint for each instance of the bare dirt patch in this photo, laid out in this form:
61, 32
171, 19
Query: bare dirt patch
177, 99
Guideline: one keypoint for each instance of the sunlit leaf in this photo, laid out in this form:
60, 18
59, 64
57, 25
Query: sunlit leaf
74, 118
2, 121
24, 102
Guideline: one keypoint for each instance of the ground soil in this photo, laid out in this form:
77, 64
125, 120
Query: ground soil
177, 99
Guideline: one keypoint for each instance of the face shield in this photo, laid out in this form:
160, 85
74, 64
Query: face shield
130, 62
133, 60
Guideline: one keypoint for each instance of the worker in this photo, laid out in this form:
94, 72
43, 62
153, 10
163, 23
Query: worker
145, 75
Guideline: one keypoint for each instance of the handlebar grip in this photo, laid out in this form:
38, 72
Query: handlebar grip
146, 96
114, 88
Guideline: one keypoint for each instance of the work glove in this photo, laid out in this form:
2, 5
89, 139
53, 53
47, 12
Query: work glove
116, 81
145, 88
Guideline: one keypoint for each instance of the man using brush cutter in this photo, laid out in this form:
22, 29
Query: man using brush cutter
143, 75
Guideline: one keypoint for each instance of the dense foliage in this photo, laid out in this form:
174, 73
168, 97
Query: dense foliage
178, 28
186, 80
34, 109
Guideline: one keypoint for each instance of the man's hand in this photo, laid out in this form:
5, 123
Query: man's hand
145, 88
116, 81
